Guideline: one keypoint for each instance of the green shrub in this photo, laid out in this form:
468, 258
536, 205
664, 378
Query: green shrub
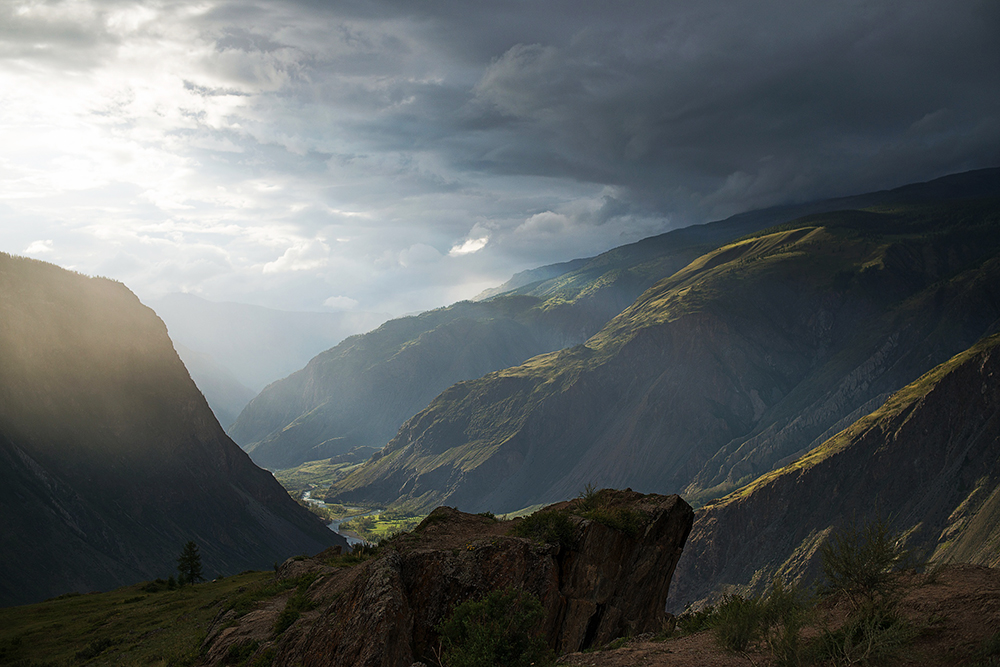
874, 633
773, 621
690, 622
266, 657
502, 629
737, 622
549, 527
862, 562
589, 498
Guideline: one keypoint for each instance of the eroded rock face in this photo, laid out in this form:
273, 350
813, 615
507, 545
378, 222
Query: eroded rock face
608, 583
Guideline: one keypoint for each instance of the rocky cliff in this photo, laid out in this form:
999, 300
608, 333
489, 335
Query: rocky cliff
745, 359
601, 584
110, 458
927, 461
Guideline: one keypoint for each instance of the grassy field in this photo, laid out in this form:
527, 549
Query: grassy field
381, 526
137, 625
312, 475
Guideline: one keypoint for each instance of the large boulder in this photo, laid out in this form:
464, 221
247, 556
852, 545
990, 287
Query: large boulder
603, 581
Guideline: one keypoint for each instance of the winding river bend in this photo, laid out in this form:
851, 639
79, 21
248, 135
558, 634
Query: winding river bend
335, 525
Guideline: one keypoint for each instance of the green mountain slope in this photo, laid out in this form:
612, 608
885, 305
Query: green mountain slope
716, 374
928, 460
360, 392
110, 459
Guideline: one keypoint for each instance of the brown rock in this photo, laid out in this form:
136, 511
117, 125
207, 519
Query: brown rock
383, 612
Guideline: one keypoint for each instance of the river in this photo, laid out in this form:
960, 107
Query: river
335, 525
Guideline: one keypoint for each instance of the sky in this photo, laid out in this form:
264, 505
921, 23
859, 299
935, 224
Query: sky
394, 156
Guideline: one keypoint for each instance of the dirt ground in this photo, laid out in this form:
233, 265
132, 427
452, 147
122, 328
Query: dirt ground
955, 611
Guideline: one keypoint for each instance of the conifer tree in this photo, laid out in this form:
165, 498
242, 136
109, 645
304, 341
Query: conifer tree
189, 564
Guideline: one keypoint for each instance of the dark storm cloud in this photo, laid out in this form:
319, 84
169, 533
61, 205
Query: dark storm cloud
706, 107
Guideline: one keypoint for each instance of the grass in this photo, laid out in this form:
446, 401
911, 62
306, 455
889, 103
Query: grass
376, 528
598, 506
127, 626
549, 527
312, 475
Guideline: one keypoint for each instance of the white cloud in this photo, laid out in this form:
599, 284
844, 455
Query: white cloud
302, 256
469, 246
39, 247
341, 303
280, 152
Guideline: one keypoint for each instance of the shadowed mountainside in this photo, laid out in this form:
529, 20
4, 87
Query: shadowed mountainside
927, 461
110, 459
360, 392
743, 360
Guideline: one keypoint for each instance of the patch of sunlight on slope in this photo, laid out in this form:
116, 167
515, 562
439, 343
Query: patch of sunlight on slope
696, 285
897, 404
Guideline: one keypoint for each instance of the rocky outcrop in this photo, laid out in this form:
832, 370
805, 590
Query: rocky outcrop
604, 584
927, 462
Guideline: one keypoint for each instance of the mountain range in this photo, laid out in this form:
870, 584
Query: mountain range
360, 392
110, 458
750, 356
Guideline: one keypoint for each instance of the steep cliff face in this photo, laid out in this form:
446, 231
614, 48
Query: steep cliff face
928, 461
605, 585
111, 458
717, 374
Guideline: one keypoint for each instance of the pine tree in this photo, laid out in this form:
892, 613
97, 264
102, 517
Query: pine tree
189, 564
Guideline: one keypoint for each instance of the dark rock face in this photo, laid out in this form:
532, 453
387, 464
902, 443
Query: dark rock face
383, 612
110, 458
928, 461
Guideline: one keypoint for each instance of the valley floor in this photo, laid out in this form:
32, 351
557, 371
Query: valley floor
957, 612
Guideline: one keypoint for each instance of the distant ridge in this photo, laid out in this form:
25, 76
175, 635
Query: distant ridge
531, 276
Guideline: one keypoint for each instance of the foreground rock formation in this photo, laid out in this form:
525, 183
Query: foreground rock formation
604, 583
